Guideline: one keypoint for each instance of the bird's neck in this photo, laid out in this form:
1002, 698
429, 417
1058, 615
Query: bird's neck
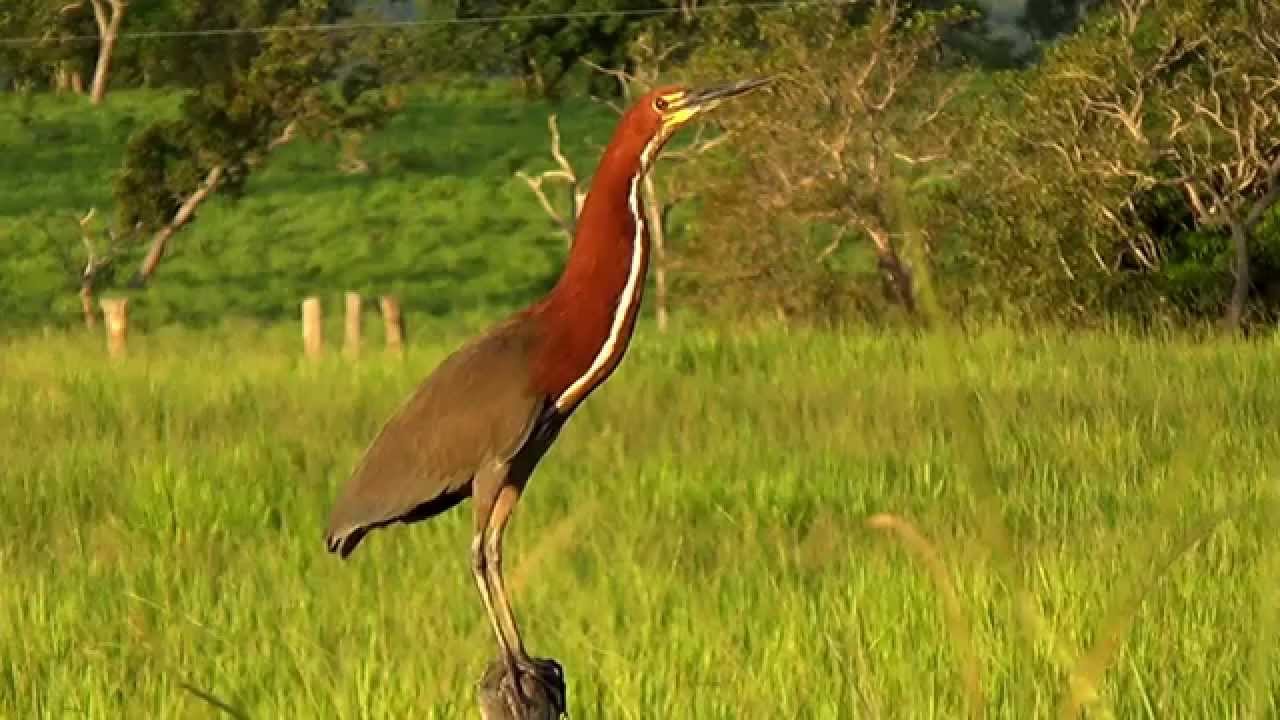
589, 316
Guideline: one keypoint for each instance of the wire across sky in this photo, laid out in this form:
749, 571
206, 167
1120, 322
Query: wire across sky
409, 24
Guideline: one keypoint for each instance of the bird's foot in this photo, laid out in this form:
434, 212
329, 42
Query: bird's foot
541, 668
533, 687
539, 676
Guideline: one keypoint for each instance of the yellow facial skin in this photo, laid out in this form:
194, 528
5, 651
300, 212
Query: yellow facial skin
676, 115
678, 107
675, 118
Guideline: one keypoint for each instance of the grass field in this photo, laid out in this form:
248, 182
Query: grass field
1091, 518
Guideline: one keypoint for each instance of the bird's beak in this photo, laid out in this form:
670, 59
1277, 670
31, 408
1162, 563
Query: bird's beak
699, 101
707, 98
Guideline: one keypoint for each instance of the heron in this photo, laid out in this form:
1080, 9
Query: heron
478, 425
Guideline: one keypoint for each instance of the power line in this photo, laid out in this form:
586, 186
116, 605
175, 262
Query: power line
408, 24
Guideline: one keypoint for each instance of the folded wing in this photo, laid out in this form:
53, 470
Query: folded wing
475, 408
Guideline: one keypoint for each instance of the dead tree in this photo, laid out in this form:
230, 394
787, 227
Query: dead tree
88, 271
1158, 100
95, 263
565, 220
852, 127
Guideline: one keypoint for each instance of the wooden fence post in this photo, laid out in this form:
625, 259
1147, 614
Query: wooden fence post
351, 339
312, 330
393, 324
115, 313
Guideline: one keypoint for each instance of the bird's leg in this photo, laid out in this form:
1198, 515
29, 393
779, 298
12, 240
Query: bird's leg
478, 565
514, 693
482, 582
502, 509
486, 492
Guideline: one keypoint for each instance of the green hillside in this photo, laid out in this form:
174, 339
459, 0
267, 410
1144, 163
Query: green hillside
439, 220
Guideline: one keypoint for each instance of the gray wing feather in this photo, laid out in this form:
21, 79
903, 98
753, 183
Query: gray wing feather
476, 407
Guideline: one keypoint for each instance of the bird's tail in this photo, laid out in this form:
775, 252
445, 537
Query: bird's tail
345, 541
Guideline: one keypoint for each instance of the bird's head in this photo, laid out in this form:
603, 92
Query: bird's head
658, 114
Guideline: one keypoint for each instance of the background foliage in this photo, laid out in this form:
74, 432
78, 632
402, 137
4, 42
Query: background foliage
898, 134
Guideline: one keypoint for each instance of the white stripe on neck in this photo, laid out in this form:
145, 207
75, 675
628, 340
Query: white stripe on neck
630, 292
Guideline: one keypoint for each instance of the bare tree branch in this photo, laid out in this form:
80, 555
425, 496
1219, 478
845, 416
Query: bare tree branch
624, 79
160, 241
286, 136
567, 223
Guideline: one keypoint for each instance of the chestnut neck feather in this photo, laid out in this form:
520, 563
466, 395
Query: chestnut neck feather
586, 321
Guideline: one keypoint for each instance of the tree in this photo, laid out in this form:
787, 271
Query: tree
299, 82
857, 102
46, 53
565, 218
89, 270
546, 41
1176, 99
108, 15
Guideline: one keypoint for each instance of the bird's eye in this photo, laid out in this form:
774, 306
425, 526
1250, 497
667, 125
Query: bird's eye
660, 104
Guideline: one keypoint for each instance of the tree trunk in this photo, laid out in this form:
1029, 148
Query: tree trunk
61, 79
86, 306
108, 14
656, 218
160, 241
535, 84
77, 82
1240, 267
896, 275
350, 162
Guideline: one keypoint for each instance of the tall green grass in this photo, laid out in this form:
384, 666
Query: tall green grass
777, 524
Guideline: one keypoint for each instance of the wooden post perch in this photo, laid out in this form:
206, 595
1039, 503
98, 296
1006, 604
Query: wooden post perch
545, 696
115, 312
393, 324
312, 331
351, 336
